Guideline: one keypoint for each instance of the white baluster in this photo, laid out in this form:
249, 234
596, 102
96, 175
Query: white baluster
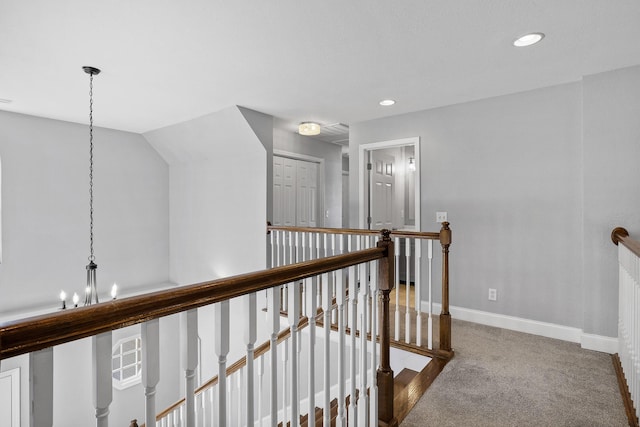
212, 406
41, 386
221, 319
312, 302
229, 391
430, 305
272, 252
200, 410
334, 313
407, 288
240, 398
303, 257
292, 248
318, 255
285, 381
250, 336
150, 332
274, 328
326, 307
206, 408
342, 378
396, 336
353, 313
363, 403
417, 284
373, 381
294, 319
260, 370
325, 245
189, 347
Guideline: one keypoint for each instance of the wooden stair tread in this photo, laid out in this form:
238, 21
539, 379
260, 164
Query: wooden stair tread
304, 419
403, 379
406, 399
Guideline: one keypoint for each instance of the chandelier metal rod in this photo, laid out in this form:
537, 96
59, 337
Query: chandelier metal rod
91, 292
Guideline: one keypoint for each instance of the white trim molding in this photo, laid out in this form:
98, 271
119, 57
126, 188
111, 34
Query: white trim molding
599, 343
12, 379
550, 330
362, 148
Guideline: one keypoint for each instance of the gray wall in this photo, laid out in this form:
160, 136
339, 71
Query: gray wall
262, 126
286, 140
45, 210
218, 208
611, 136
45, 218
511, 172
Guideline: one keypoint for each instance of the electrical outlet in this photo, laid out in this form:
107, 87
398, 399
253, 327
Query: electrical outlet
441, 217
493, 294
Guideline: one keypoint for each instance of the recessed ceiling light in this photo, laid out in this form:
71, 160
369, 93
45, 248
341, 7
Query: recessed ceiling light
309, 128
528, 39
5, 101
387, 102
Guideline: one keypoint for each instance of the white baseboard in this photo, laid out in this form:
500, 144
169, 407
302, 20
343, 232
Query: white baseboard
599, 343
549, 330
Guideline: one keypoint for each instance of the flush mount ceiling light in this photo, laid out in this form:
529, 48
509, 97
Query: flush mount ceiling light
309, 128
528, 39
387, 102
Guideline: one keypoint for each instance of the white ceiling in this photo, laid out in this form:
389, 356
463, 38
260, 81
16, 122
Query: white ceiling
331, 61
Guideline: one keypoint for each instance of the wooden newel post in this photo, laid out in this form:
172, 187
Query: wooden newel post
445, 317
386, 276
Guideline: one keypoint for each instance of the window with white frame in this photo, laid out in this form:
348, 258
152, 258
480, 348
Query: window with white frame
126, 362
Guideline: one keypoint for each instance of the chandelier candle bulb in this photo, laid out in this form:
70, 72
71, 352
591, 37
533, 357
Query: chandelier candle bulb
75, 299
63, 297
114, 291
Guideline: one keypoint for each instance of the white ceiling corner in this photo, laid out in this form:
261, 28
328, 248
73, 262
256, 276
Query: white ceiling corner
331, 61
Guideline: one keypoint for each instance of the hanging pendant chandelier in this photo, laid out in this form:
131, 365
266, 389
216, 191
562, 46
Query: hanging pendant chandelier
91, 291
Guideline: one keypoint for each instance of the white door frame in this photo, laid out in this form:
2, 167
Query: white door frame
14, 378
362, 178
320, 161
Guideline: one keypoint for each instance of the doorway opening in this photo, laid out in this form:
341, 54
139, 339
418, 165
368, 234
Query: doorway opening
390, 185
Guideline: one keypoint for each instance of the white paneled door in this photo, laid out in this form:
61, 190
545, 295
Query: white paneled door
295, 192
382, 190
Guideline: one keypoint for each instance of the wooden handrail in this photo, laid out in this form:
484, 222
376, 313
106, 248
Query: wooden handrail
621, 235
356, 231
36, 333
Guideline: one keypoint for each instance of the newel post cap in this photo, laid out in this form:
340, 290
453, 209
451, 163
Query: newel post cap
445, 234
617, 233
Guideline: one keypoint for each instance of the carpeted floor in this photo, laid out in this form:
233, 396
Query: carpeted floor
504, 378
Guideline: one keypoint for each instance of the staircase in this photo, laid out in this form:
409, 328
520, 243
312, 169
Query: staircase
325, 277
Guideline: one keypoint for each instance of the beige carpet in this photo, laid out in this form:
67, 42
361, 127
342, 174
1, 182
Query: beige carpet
505, 378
